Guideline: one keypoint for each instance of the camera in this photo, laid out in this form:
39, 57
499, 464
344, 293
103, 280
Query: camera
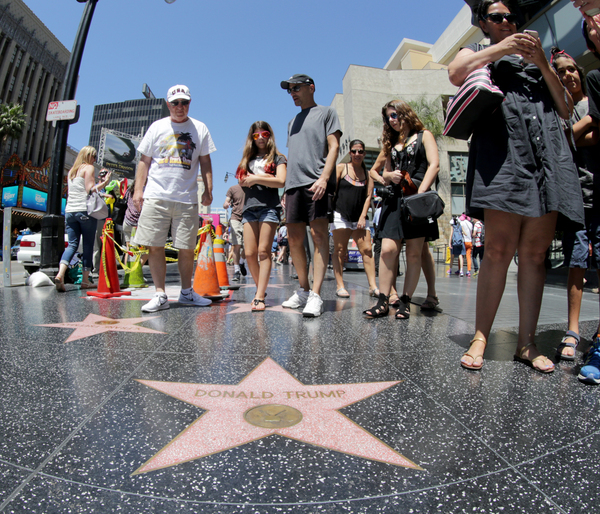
385, 191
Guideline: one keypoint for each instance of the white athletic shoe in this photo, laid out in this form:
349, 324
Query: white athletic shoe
314, 306
298, 299
160, 302
193, 298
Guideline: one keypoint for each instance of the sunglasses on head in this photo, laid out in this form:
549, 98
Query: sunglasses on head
359, 152
175, 103
265, 134
295, 89
498, 17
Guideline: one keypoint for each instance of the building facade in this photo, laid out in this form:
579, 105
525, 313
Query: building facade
32, 71
132, 117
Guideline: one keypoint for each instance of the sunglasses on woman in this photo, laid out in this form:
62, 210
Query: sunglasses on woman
359, 152
499, 17
175, 103
265, 134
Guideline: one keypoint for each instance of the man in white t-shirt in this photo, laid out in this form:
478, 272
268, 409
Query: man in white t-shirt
173, 150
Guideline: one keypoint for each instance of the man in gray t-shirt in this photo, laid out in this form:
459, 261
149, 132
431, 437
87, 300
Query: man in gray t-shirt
313, 144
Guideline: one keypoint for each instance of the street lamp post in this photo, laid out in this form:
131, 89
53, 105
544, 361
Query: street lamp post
53, 223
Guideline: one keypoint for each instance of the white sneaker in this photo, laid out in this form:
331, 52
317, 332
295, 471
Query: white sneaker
314, 306
160, 302
298, 299
193, 298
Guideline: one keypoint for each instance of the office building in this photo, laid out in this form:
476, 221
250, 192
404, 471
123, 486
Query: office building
32, 71
132, 117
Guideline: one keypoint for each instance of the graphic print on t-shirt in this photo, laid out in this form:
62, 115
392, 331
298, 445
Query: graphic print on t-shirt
176, 151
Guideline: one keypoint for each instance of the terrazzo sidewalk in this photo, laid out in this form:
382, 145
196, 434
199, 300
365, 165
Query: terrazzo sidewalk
222, 410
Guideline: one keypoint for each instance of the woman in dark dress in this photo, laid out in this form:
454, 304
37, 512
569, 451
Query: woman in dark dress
520, 175
412, 165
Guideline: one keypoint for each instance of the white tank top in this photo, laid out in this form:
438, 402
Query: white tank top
77, 197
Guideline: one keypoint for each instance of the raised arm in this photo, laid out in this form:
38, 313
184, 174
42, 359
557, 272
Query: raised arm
467, 61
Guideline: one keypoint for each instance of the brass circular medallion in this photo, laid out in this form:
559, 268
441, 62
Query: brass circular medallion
273, 416
106, 322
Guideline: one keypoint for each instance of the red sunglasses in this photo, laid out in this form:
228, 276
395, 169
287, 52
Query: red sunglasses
265, 134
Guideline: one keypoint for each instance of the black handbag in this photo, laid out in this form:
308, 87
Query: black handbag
475, 99
118, 211
422, 208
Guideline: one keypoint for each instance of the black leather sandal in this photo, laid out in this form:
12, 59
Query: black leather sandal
403, 311
381, 309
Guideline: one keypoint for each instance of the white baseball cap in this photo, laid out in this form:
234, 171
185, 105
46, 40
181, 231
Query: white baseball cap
178, 92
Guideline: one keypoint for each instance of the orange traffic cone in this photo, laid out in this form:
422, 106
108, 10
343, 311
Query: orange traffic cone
221, 264
108, 281
206, 282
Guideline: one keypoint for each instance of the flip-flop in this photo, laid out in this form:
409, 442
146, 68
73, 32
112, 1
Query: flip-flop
342, 293
528, 362
473, 366
564, 344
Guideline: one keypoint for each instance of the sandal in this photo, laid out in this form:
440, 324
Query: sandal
342, 293
430, 303
403, 311
60, 285
374, 293
563, 344
88, 285
529, 362
258, 305
396, 303
473, 366
381, 309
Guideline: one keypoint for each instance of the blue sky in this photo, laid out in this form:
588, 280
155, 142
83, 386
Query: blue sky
233, 54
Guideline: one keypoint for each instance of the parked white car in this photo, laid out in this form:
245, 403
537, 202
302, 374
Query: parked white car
30, 251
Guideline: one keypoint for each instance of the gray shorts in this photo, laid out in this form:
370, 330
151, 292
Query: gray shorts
158, 216
237, 232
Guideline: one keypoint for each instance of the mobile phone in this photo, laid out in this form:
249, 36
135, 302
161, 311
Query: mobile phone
533, 33
592, 12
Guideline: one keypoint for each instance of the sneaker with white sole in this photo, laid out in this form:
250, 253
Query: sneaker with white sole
193, 298
160, 302
314, 306
298, 299
590, 372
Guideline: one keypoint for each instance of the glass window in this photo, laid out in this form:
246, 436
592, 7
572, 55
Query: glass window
458, 178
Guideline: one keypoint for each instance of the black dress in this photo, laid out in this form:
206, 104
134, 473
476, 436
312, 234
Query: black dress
519, 160
413, 159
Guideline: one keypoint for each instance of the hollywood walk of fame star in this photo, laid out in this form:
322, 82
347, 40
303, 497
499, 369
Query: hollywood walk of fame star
247, 307
94, 324
271, 401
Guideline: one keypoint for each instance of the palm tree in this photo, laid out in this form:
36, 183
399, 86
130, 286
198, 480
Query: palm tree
12, 122
431, 114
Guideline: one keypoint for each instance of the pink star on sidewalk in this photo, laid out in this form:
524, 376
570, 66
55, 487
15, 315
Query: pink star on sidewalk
94, 324
271, 401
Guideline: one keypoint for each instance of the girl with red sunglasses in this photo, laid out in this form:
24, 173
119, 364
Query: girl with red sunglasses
261, 171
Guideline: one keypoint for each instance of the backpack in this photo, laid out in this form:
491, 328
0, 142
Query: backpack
457, 235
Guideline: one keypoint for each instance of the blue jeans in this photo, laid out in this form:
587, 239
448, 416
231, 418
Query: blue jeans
79, 224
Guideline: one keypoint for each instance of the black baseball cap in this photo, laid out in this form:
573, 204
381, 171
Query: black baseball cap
296, 79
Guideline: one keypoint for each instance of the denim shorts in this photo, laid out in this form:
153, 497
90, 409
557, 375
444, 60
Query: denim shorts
576, 245
261, 214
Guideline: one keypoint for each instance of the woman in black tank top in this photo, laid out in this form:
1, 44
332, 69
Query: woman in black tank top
354, 189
